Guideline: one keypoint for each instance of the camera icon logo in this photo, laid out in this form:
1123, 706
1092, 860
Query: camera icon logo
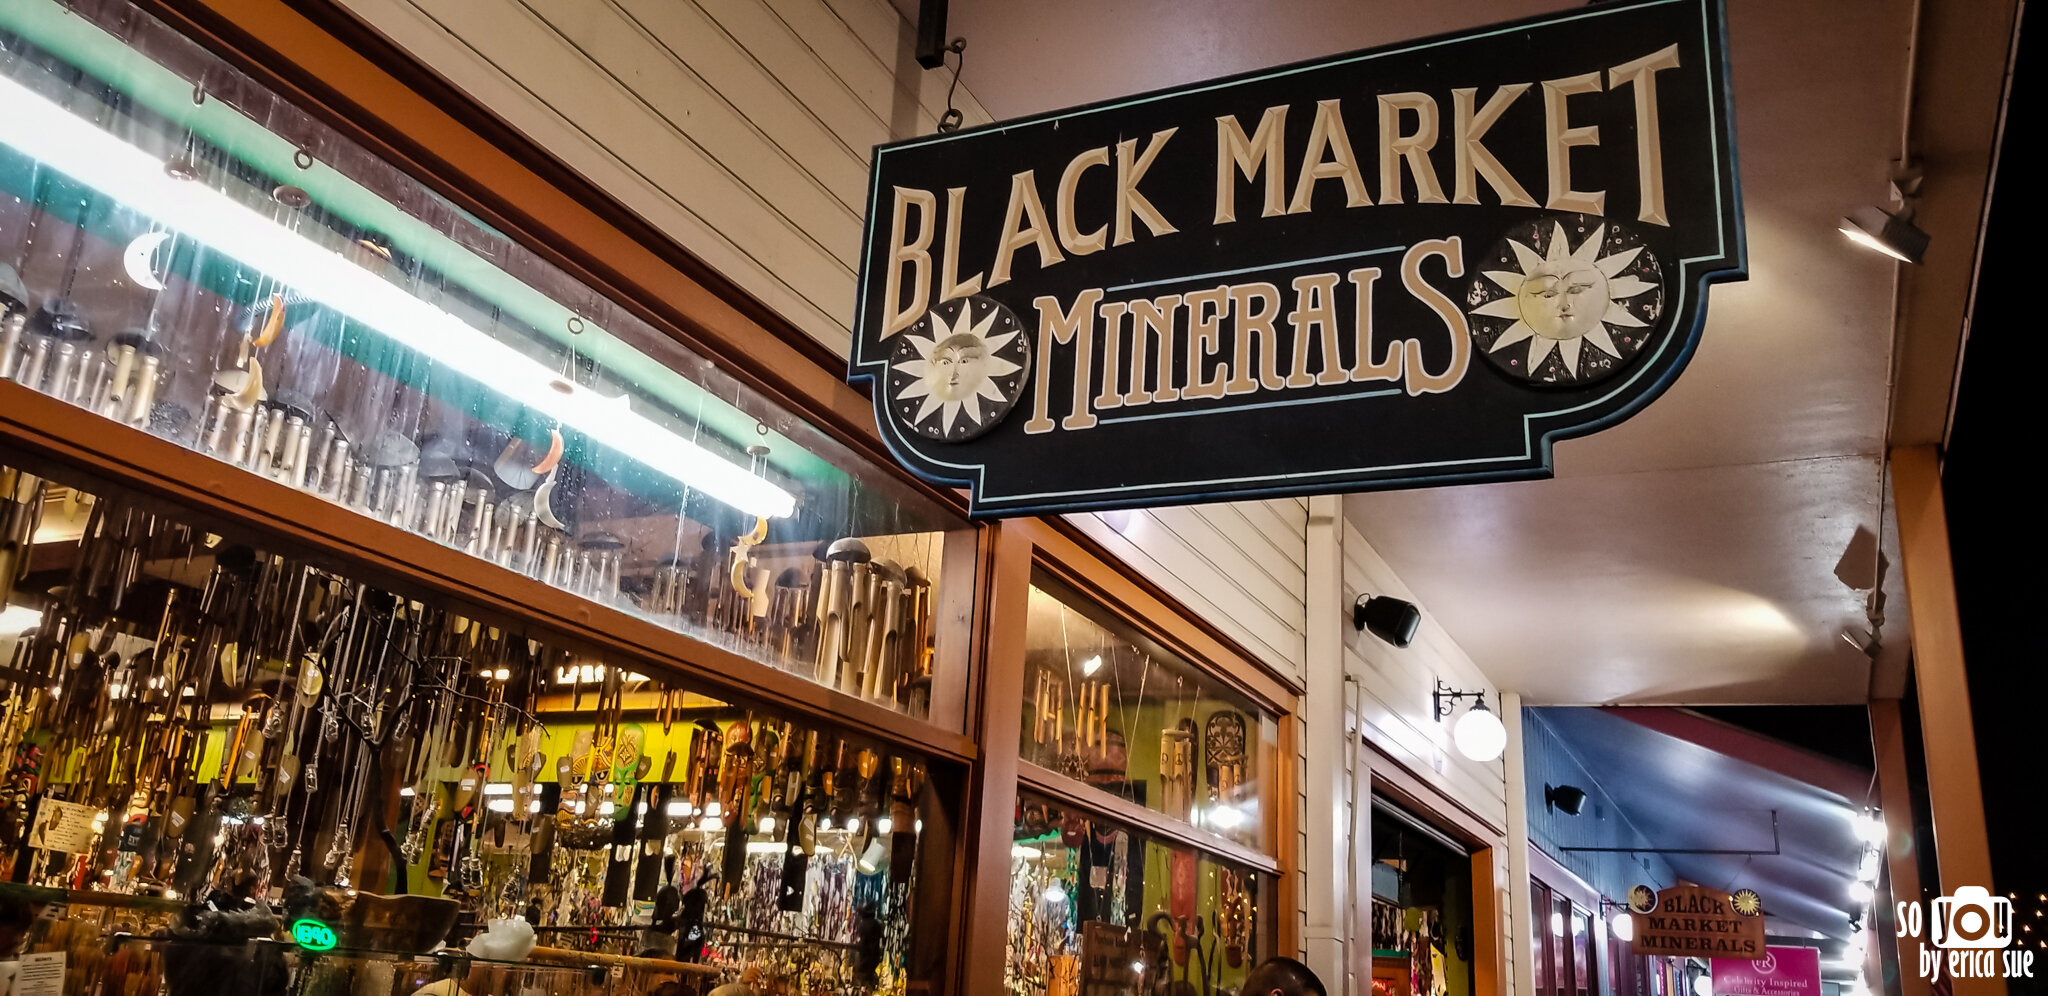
1972, 918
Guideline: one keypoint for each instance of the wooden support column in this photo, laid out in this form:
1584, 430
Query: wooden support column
1521, 912
1955, 791
1327, 832
1901, 850
1000, 708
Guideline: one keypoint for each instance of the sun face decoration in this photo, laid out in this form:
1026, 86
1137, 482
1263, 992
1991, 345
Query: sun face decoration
960, 370
1642, 899
1747, 902
1550, 312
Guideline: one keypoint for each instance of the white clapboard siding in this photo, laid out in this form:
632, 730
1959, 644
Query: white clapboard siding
743, 129
1394, 707
740, 128
1237, 565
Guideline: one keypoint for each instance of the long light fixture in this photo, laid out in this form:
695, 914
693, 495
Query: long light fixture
99, 159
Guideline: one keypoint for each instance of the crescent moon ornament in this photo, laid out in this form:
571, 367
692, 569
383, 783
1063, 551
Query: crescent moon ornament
273, 324
137, 259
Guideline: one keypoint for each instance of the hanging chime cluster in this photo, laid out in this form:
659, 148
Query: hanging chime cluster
323, 678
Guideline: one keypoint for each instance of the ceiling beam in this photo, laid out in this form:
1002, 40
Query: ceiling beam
1961, 52
1734, 742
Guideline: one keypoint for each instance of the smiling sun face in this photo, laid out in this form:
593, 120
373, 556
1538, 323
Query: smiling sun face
955, 379
1555, 303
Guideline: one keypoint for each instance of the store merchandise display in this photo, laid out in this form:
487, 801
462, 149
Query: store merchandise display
213, 745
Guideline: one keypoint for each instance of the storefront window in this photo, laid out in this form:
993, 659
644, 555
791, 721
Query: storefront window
1105, 705
213, 742
1567, 961
184, 254
1421, 909
1099, 907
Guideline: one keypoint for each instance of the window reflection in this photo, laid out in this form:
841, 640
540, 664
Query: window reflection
1105, 705
227, 273
1100, 908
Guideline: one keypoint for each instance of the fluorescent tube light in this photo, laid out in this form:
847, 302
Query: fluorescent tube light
68, 143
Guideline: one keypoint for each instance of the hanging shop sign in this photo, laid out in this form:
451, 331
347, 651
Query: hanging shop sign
1782, 971
1689, 920
1413, 265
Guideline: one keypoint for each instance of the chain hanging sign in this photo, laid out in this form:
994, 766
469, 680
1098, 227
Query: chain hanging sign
1413, 265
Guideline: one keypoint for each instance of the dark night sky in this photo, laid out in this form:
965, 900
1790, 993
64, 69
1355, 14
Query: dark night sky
1992, 482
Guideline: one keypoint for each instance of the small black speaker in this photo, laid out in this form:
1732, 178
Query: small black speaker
1569, 798
1390, 619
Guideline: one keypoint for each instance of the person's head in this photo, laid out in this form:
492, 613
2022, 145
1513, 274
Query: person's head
1282, 977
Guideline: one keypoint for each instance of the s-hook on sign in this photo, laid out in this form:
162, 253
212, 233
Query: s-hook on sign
1418, 264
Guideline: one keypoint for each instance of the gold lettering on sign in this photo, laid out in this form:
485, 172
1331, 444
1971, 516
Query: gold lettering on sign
1152, 321
1077, 242
950, 286
1561, 138
1642, 75
912, 252
1328, 137
1206, 309
1129, 201
1266, 149
1468, 128
1078, 327
1315, 308
1412, 148
1024, 204
1363, 367
1420, 380
1256, 306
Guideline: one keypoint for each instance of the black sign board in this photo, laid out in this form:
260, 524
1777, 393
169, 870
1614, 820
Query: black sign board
1414, 265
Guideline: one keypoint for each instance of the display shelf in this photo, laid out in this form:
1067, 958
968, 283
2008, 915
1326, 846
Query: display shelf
53, 436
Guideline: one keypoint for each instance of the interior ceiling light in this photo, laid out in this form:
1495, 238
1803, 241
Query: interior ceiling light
1870, 827
1479, 734
1895, 235
1388, 618
101, 160
1568, 799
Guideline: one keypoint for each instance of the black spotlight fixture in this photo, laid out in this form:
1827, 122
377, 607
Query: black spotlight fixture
1895, 235
1570, 799
1386, 617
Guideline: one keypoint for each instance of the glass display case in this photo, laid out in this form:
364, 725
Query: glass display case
1108, 706
191, 718
183, 253
1098, 908
1140, 856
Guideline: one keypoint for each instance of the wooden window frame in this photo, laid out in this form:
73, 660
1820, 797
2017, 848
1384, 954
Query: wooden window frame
1020, 545
1486, 843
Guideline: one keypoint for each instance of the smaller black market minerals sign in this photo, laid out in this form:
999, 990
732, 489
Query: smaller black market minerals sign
1413, 265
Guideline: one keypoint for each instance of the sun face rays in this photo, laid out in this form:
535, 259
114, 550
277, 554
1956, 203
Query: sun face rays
956, 369
1564, 298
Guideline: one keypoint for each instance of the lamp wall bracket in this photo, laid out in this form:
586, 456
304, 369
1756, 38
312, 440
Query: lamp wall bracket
1445, 699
